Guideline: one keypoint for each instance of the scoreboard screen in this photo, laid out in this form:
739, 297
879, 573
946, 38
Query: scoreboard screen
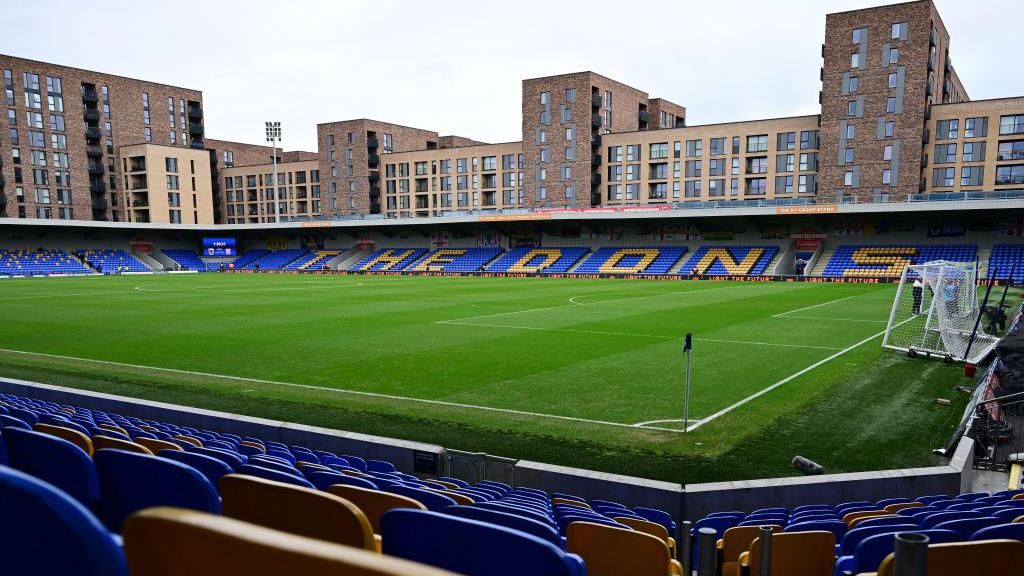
213, 247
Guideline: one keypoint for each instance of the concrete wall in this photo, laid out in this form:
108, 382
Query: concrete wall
690, 502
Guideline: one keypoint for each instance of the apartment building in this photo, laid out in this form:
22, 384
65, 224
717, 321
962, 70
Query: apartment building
976, 146
249, 192
884, 69
165, 184
760, 159
62, 131
473, 177
563, 120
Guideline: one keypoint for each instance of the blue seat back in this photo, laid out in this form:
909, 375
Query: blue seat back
3, 450
44, 531
432, 500
130, 482
355, 462
54, 460
873, 549
470, 547
276, 475
379, 466
888, 521
837, 527
931, 520
232, 459
208, 466
1009, 531
658, 517
850, 541
27, 416
1008, 514
521, 523
7, 421
517, 510
968, 526
323, 479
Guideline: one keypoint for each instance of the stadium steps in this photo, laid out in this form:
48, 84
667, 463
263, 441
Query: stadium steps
984, 256
580, 262
146, 259
776, 260
823, 259
350, 258
682, 261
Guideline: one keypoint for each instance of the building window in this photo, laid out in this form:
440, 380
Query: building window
851, 131
892, 79
783, 184
886, 176
855, 60
890, 104
972, 175
757, 186
570, 94
615, 153
890, 129
544, 97
717, 146
735, 166
734, 187
757, 143
1010, 175
1013, 124
148, 134
943, 177
887, 152
851, 108
786, 141
171, 164
899, 30
633, 153
894, 55
859, 35
692, 189
854, 83
848, 178
694, 148
976, 127
974, 151
659, 150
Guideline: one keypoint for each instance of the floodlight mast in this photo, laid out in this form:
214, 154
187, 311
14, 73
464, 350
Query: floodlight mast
274, 136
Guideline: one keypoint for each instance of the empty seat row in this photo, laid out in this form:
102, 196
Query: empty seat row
729, 260
276, 260
109, 261
40, 263
390, 259
538, 260
186, 259
312, 260
889, 260
1007, 261
649, 260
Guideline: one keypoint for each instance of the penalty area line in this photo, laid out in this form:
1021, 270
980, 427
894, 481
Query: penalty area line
337, 390
790, 378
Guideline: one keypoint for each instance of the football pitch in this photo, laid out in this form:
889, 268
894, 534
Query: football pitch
568, 371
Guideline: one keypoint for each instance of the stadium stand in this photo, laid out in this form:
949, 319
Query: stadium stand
1007, 259
314, 260
392, 259
729, 260
278, 259
543, 260
110, 261
612, 260
187, 259
40, 263
859, 260
482, 528
246, 260
456, 260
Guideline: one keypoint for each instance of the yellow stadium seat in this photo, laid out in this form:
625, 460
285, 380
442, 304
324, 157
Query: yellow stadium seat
295, 509
191, 440
448, 485
893, 508
1018, 519
73, 436
569, 502
155, 445
969, 558
101, 442
737, 540
457, 496
610, 551
313, 466
113, 428
858, 520
854, 516
253, 445
172, 542
374, 503
796, 554
656, 530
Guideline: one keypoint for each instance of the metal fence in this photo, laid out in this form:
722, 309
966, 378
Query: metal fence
476, 466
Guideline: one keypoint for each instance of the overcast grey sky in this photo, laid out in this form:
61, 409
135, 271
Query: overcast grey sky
456, 66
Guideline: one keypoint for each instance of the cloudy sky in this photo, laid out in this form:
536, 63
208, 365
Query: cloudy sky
456, 66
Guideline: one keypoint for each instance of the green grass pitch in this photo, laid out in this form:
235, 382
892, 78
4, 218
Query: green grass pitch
565, 371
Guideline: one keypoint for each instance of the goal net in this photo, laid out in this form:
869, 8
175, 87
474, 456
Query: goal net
935, 312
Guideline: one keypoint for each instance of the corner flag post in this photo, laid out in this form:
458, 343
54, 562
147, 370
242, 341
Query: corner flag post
687, 346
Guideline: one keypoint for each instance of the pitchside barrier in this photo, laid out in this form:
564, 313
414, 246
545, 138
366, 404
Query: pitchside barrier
691, 501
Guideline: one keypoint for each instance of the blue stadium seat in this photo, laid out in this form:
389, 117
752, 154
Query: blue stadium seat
1007, 259
729, 260
109, 261
967, 526
470, 547
3, 450
208, 466
541, 530
130, 482
277, 259
40, 263
270, 474
873, 549
455, 260
186, 259
432, 500
390, 259
7, 421
246, 260
546, 260
54, 460
1009, 531
889, 260
632, 260
312, 260
44, 531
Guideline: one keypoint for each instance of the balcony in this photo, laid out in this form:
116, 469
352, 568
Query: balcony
595, 198
374, 207
215, 185
93, 133
1010, 155
2, 182
3, 200
195, 113
596, 142
96, 169
216, 199
1009, 179
89, 96
926, 136
97, 186
374, 176
195, 128
595, 101
99, 203
92, 150
92, 115
373, 160
644, 116
372, 143
374, 193
595, 159
595, 120
595, 179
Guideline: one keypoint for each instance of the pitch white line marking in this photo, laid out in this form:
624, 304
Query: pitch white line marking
630, 335
832, 319
788, 312
788, 379
310, 286
338, 390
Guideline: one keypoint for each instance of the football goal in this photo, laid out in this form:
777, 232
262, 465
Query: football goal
936, 311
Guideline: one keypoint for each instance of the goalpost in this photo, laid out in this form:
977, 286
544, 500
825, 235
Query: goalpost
936, 311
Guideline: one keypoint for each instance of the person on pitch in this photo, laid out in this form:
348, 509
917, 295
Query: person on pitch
918, 290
